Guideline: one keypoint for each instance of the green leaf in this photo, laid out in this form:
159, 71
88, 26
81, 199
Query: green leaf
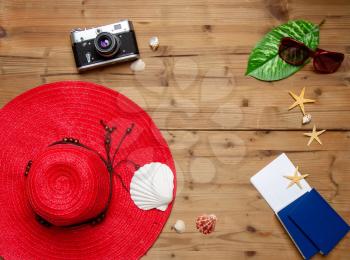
264, 62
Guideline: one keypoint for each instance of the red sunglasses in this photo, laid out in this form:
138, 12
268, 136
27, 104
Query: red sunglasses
296, 53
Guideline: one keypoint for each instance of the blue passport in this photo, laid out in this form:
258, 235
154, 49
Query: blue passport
319, 221
305, 246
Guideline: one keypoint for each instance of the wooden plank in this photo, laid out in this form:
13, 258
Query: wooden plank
223, 162
183, 87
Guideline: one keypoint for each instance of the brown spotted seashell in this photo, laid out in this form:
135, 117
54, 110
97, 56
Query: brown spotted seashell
206, 223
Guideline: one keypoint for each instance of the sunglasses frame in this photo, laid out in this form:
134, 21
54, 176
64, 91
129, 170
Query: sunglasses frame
310, 54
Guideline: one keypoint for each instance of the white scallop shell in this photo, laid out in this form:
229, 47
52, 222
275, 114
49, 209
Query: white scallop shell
152, 186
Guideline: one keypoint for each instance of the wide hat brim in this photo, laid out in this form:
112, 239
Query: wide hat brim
46, 114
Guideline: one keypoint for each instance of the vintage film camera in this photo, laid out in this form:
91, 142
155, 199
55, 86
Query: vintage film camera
108, 44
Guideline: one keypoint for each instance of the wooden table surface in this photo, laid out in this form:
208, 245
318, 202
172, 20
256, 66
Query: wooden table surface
222, 126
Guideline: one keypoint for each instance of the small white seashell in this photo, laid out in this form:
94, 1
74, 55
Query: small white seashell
179, 226
154, 43
138, 65
306, 119
152, 186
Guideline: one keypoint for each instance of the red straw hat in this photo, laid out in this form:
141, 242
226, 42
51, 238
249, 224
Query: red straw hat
84, 174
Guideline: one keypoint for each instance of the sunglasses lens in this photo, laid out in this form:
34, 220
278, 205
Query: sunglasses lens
328, 62
293, 52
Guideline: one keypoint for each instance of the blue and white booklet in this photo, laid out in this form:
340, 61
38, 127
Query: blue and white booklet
309, 220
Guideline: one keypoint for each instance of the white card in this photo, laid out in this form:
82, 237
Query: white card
273, 186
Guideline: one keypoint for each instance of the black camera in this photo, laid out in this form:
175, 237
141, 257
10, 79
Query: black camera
104, 45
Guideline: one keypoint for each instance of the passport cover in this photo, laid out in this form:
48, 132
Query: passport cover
319, 221
305, 246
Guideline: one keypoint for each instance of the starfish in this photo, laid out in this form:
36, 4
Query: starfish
300, 101
296, 178
314, 135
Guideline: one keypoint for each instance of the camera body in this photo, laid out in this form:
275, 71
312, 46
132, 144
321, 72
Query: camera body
104, 45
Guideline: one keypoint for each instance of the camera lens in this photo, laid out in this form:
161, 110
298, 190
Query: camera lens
107, 44
104, 42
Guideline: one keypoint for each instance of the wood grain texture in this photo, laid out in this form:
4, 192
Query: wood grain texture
222, 126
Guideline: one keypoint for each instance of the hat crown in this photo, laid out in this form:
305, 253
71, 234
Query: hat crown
68, 185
